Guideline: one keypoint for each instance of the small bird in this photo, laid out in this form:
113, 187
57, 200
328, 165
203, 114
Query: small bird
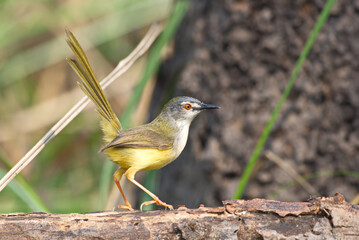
146, 147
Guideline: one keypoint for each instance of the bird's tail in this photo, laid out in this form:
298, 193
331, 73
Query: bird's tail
91, 87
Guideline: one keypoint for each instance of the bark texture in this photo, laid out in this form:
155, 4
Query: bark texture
321, 218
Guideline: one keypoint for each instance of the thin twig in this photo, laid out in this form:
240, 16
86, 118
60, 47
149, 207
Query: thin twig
291, 172
121, 68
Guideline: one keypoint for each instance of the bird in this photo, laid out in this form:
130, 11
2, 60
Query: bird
145, 147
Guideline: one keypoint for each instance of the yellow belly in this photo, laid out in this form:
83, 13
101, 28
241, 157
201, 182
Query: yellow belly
140, 158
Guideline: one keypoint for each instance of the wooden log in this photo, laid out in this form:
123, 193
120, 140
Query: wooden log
320, 218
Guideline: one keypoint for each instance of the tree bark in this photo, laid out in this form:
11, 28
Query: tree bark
320, 218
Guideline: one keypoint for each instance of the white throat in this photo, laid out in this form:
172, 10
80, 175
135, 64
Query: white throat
181, 136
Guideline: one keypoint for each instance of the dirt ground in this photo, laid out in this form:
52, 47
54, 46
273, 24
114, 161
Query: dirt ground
239, 55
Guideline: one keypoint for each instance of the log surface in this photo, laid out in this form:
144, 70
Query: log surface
321, 218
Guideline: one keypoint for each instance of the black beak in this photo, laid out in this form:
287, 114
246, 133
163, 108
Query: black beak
208, 106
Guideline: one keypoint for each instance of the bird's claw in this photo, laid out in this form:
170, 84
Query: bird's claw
158, 202
127, 207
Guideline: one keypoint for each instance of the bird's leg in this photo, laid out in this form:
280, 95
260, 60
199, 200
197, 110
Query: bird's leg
117, 177
130, 174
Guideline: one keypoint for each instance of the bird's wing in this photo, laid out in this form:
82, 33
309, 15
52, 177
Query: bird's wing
141, 137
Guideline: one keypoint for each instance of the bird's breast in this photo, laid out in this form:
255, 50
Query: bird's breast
140, 158
150, 158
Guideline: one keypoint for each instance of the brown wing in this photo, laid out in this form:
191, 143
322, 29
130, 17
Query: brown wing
140, 137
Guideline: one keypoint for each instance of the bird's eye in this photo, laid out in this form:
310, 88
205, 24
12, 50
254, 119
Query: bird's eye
187, 106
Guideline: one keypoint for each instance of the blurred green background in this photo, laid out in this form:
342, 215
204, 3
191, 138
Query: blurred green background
37, 88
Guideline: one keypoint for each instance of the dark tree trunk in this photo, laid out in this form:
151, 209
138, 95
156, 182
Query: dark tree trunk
239, 55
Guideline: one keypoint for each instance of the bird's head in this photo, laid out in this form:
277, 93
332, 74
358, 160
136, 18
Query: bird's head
184, 109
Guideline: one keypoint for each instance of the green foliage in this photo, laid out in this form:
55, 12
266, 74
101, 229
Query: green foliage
66, 172
113, 19
24, 191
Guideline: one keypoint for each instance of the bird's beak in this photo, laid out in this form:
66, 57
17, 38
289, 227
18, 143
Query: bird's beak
208, 106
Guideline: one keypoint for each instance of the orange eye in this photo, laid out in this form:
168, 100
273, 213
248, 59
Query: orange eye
187, 106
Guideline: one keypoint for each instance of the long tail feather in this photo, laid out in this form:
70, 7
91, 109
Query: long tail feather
91, 87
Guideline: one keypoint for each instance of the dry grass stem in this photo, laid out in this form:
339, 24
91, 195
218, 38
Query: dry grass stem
121, 68
291, 172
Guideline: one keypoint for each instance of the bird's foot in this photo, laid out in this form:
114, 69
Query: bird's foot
158, 202
127, 207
